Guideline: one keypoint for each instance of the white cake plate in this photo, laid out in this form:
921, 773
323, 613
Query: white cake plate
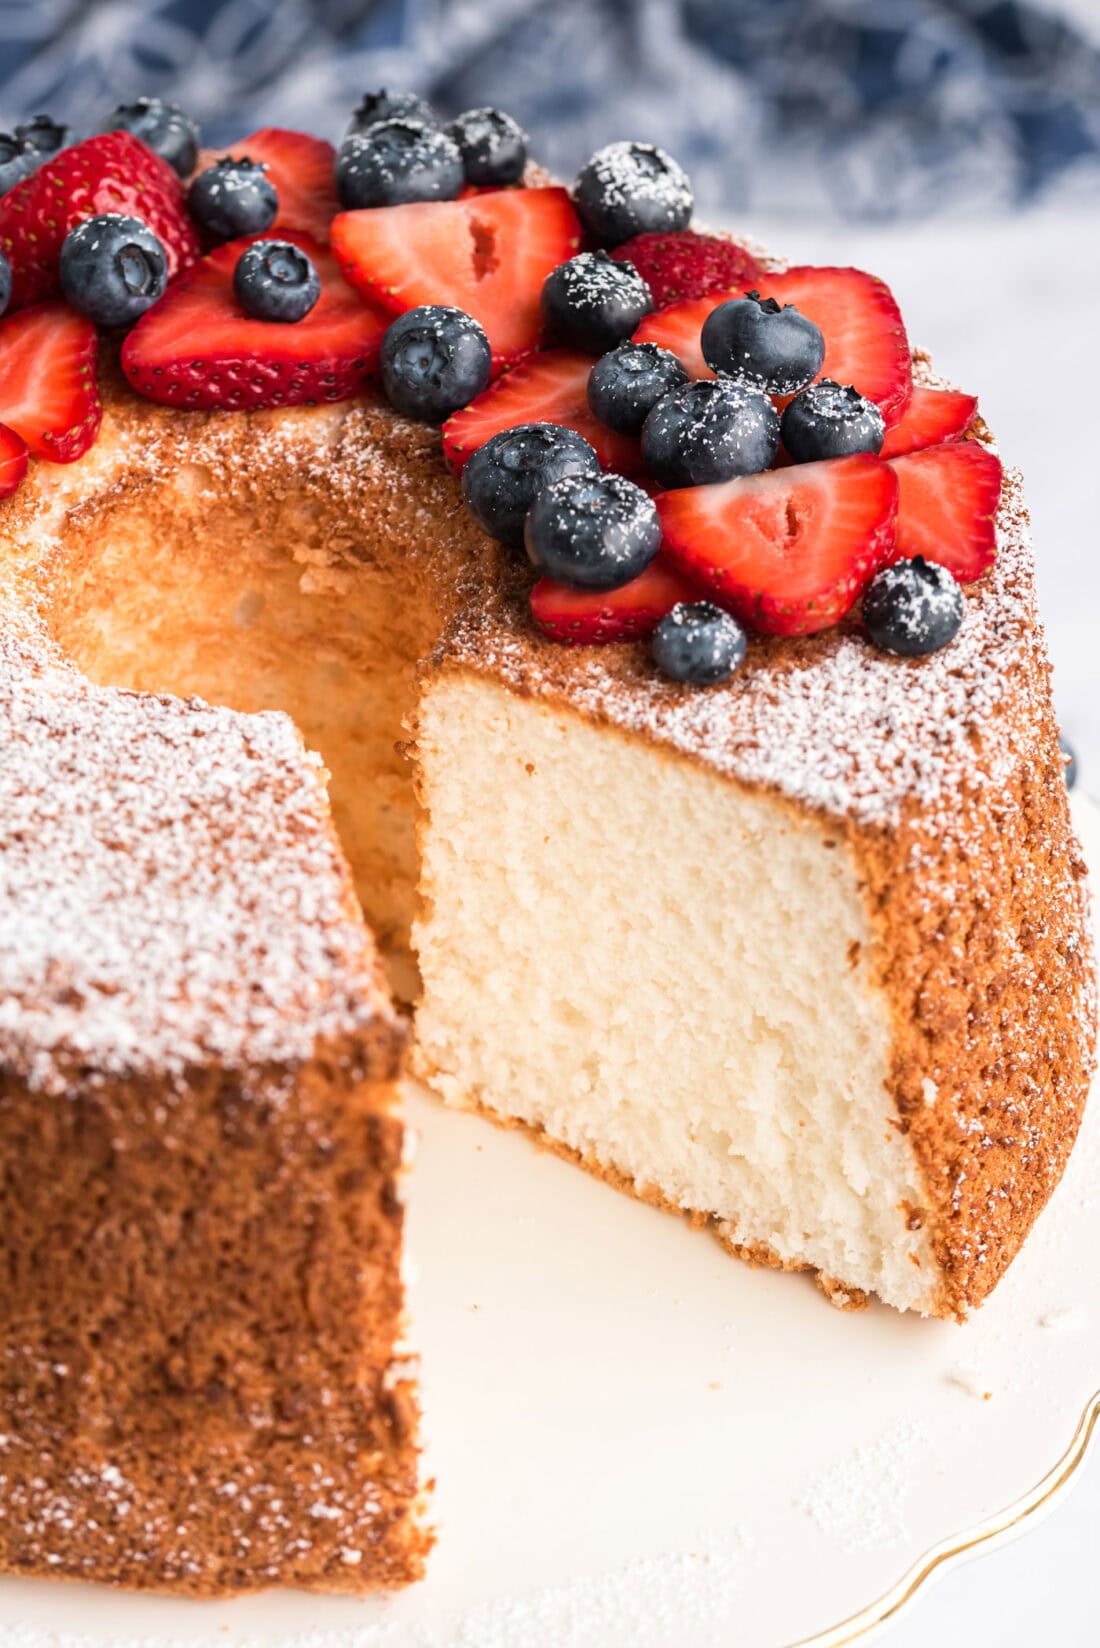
640, 1443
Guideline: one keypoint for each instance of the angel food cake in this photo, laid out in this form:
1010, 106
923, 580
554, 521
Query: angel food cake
665, 631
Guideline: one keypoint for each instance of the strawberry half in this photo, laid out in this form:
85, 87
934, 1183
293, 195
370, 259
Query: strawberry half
932, 416
13, 460
198, 348
487, 255
688, 265
111, 173
48, 392
301, 168
865, 341
947, 507
580, 617
790, 550
550, 387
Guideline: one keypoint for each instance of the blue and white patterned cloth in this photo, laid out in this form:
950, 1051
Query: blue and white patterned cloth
874, 108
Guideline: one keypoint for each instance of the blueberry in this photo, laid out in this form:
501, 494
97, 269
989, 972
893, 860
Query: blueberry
592, 302
710, 430
502, 478
233, 197
632, 189
913, 607
276, 280
434, 360
1070, 759
492, 144
112, 268
5, 283
162, 127
625, 385
698, 642
17, 161
383, 105
827, 421
753, 339
592, 531
398, 161
44, 136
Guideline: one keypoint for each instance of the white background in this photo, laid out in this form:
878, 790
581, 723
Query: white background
1009, 310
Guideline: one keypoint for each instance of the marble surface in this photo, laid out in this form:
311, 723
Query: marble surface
1009, 310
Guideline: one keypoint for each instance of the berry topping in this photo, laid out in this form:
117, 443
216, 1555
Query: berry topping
592, 531
865, 341
13, 460
632, 189
48, 391
397, 162
501, 479
932, 416
433, 361
828, 421
710, 431
5, 283
550, 387
689, 265
17, 161
112, 268
244, 363
790, 551
913, 607
583, 617
114, 173
233, 197
493, 147
487, 256
698, 642
626, 384
592, 303
383, 105
299, 168
948, 506
43, 136
162, 127
760, 342
275, 280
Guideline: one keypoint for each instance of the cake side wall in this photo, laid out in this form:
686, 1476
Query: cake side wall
200, 1302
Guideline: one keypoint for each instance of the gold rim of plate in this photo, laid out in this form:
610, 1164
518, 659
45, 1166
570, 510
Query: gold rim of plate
996, 1530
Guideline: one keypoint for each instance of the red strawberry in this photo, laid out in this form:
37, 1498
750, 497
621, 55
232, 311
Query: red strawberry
111, 173
947, 506
301, 168
865, 341
198, 348
790, 550
688, 265
550, 387
48, 392
13, 460
580, 617
932, 416
488, 255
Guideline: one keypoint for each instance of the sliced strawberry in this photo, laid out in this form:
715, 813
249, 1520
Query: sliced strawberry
947, 507
111, 173
550, 387
198, 348
13, 460
865, 341
580, 617
488, 255
790, 550
689, 265
932, 416
301, 168
48, 392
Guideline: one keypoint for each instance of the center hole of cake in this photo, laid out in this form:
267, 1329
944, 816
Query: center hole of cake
484, 249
